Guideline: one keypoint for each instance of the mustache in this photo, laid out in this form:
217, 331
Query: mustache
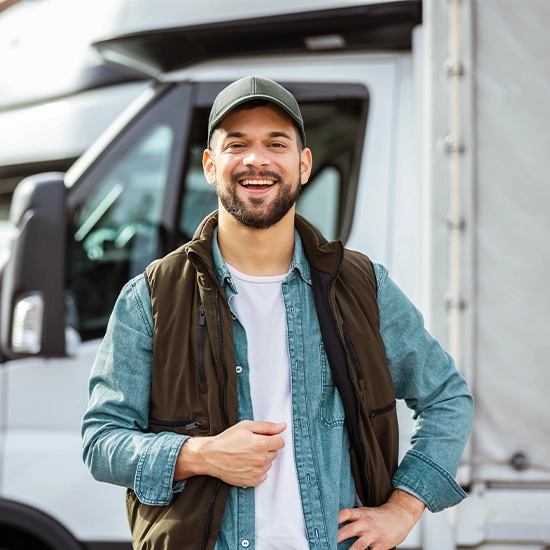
268, 174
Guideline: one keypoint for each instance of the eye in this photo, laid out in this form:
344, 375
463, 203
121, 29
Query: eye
235, 146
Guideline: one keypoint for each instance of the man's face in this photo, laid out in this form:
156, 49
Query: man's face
257, 166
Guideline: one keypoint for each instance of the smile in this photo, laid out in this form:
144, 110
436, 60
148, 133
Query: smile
246, 183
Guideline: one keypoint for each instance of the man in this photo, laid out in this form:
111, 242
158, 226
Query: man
245, 390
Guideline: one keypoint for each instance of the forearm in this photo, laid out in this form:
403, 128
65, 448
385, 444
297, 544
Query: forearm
424, 375
429, 468
117, 447
140, 461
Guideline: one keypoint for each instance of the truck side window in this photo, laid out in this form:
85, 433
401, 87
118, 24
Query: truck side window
116, 229
200, 198
319, 203
335, 132
117, 211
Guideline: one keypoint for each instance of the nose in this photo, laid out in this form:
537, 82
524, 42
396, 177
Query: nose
256, 156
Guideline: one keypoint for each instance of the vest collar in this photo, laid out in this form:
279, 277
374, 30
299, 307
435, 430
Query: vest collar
325, 256
200, 247
322, 255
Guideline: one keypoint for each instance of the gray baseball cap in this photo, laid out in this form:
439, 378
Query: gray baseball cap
250, 88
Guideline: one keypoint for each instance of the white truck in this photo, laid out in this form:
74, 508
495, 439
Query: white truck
429, 127
57, 96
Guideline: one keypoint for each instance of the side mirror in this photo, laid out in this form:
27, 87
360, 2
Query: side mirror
33, 306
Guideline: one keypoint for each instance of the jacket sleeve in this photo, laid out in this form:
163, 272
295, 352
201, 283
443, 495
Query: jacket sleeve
425, 376
116, 448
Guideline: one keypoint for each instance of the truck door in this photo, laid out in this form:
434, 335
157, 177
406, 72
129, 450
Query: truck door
117, 225
120, 214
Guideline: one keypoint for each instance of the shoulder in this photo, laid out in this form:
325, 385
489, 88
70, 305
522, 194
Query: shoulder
135, 290
174, 257
380, 272
133, 306
359, 265
165, 266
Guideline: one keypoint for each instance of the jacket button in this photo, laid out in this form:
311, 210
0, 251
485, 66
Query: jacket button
239, 370
245, 543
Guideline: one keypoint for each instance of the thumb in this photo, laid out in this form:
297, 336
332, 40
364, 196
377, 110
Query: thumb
268, 428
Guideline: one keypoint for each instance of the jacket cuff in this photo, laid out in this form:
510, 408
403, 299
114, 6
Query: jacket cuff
154, 483
420, 476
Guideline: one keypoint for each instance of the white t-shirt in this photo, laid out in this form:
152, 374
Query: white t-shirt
260, 308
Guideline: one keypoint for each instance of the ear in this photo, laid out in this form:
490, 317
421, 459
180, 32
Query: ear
306, 163
208, 167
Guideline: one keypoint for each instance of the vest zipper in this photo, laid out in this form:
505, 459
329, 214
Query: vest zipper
352, 352
226, 416
209, 514
202, 328
222, 355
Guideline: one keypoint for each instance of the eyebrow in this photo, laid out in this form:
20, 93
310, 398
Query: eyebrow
234, 135
275, 134
279, 134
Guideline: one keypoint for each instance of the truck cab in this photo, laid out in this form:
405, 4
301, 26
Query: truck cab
140, 192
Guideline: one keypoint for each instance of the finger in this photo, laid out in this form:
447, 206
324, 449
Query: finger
267, 428
363, 544
275, 443
348, 514
268, 444
272, 455
348, 531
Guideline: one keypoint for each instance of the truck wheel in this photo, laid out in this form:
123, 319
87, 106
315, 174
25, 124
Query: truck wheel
25, 528
14, 539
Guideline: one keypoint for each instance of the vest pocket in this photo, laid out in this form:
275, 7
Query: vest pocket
331, 409
382, 410
182, 427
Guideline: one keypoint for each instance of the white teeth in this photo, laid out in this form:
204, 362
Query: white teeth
256, 182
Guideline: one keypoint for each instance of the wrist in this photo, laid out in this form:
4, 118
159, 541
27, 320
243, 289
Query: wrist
189, 462
408, 504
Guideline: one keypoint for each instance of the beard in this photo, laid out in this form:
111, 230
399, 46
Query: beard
255, 212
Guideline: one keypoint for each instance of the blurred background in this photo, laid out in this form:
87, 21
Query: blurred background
429, 122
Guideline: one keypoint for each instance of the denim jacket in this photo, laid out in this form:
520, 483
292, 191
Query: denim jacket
117, 451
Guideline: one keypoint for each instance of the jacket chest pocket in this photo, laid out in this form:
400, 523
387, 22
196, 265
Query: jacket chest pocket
331, 409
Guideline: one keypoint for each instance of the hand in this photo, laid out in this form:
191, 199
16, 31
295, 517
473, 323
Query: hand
383, 527
241, 455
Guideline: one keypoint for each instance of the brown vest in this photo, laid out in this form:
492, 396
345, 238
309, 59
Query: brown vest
194, 386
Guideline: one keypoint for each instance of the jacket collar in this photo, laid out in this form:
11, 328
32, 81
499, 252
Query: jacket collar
299, 262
